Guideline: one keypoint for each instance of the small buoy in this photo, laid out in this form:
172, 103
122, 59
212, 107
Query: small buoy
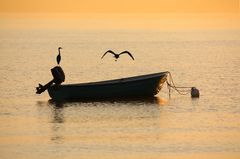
194, 92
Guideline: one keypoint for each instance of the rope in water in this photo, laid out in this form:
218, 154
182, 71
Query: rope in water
179, 90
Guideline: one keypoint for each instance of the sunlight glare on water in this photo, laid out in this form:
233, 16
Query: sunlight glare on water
31, 126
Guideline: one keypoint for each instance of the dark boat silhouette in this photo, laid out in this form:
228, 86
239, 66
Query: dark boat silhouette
131, 87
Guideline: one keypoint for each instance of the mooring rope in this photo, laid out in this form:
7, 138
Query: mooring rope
180, 90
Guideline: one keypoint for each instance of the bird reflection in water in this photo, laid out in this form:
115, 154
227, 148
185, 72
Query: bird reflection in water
57, 122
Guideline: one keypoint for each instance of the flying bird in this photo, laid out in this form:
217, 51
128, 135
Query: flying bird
116, 56
59, 56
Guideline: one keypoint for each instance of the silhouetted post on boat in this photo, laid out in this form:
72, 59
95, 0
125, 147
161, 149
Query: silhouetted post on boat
58, 78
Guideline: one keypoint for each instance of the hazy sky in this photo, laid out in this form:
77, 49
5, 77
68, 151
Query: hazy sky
145, 14
119, 6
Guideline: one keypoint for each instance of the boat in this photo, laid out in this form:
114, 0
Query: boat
131, 87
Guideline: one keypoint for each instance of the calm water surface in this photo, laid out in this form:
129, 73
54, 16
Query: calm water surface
31, 126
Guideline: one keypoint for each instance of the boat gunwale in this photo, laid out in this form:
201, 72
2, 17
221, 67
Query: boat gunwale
121, 80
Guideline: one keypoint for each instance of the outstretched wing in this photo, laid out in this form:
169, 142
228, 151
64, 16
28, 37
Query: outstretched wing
109, 51
126, 52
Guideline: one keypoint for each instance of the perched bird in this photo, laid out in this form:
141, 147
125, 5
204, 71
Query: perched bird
59, 56
116, 56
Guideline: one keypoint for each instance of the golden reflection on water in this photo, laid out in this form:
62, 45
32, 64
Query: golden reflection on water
161, 101
101, 129
162, 127
57, 121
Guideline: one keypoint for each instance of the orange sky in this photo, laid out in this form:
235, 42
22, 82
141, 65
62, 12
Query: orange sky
119, 6
119, 14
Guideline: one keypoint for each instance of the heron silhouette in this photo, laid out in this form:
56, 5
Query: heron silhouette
59, 56
116, 56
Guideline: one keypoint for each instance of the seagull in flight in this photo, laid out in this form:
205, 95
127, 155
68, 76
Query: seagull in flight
116, 56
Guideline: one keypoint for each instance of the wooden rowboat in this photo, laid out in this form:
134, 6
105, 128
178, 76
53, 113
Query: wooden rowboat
131, 87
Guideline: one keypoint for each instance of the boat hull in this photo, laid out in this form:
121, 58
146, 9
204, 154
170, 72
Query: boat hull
145, 85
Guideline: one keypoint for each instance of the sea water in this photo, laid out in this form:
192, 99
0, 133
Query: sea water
32, 126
